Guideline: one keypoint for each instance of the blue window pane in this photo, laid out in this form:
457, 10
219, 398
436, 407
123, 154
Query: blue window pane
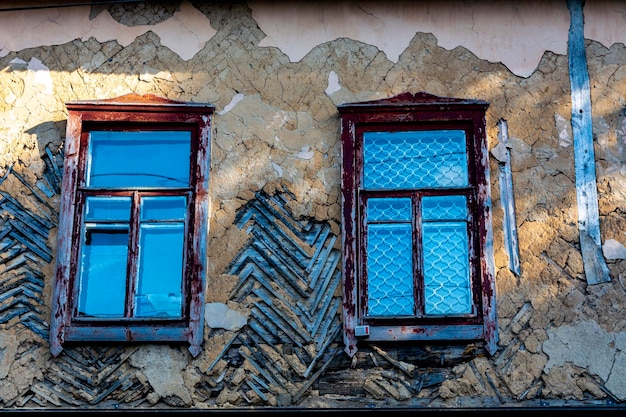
163, 208
108, 208
139, 159
159, 287
389, 270
446, 268
448, 207
414, 159
103, 271
383, 209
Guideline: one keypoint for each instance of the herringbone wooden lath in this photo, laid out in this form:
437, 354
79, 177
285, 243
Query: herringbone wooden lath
288, 273
25, 225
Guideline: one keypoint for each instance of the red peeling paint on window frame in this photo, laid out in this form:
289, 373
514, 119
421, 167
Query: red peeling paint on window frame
396, 113
136, 112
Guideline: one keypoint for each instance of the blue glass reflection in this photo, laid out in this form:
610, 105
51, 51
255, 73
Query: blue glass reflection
389, 209
445, 207
446, 268
139, 159
163, 208
159, 287
103, 271
107, 208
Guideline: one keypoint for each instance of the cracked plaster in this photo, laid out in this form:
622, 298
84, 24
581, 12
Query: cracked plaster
496, 32
389, 26
220, 316
185, 32
588, 346
258, 140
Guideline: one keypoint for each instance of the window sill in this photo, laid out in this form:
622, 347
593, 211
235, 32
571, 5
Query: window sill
429, 332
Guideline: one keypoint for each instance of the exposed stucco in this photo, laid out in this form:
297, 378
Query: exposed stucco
276, 75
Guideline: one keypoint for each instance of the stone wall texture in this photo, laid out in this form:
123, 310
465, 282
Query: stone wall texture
275, 171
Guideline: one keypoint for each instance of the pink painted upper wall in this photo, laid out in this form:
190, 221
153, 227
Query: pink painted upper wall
514, 33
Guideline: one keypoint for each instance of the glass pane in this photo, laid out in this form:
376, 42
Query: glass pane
102, 287
447, 207
108, 208
446, 268
159, 289
139, 159
163, 208
381, 209
414, 159
389, 270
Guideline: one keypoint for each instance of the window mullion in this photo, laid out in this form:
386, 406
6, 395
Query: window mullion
362, 254
418, 255
133, 255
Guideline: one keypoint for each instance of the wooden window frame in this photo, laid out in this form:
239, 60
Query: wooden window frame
126, 113
403, 112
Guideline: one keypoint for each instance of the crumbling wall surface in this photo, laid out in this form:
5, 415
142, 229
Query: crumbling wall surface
273, 303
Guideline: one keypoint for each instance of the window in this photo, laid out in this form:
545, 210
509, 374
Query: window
418, 262
131, 240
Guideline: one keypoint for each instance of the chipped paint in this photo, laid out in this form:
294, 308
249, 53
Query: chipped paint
305, 153
185, 33
499, 32
333, 83
219, 316
236, 99
589, 346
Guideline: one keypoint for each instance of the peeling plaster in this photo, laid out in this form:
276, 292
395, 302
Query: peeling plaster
278, 169
305, 153
612, 249
219, 316
42, 75
498, 32
185, 33
565, 131
236, 99
588, 346
333, 83
8, 347
605, 21
149, 74
162, 367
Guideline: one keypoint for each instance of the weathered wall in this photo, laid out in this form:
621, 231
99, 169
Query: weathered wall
276, 73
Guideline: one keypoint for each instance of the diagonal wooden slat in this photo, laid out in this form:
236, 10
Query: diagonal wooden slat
288, 275
24, 251
88, 375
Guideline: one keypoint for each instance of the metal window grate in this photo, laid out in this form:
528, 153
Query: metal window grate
414, 159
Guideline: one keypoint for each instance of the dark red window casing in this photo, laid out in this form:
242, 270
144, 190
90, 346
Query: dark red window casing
131, 112
404, 112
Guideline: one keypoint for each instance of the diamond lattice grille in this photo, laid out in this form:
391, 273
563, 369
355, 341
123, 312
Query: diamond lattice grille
446, 263
411, 161
415, 159
389, 260
390, 270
